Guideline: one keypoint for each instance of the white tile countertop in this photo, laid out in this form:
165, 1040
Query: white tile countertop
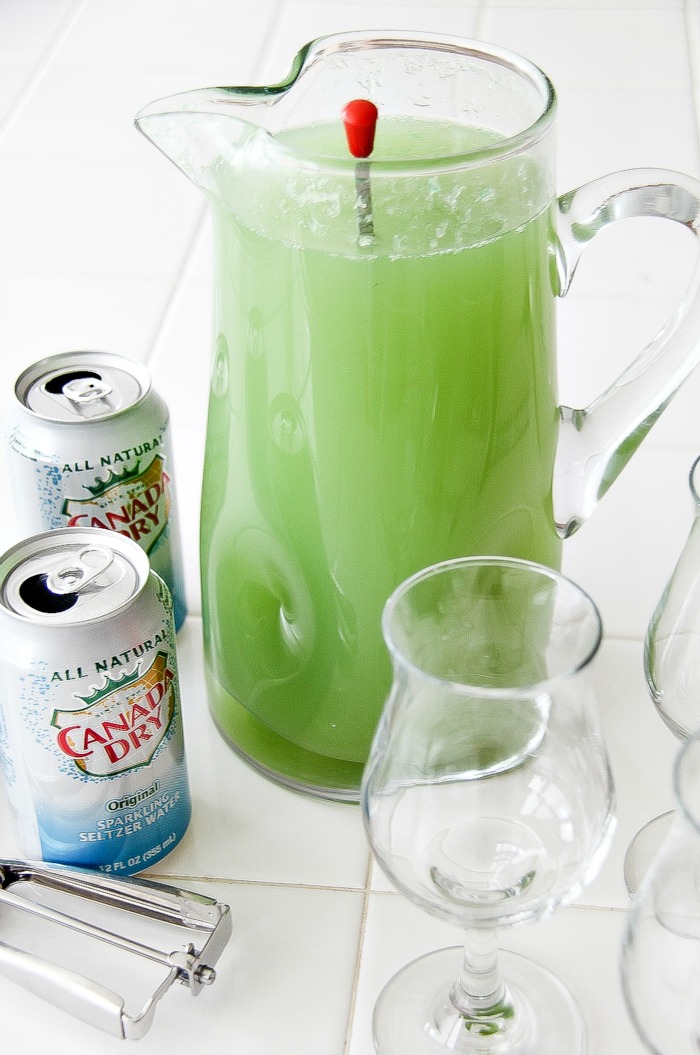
104, 245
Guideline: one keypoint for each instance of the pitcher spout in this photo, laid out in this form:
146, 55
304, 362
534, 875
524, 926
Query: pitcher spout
199, 131
204, 130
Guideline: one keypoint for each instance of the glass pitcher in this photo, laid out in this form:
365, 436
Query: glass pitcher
383, 388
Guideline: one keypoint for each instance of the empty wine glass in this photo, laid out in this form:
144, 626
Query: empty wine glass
661, 946
487, 797
672, 669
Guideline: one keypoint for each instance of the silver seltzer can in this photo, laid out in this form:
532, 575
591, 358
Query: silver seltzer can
89, 446
91, 733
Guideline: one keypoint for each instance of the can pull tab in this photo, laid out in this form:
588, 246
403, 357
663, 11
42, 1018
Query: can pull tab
79, 570
82, 391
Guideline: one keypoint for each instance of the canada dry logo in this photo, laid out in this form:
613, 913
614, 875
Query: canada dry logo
122, 723
134, 503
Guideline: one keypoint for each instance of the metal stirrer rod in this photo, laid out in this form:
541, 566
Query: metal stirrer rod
360, 120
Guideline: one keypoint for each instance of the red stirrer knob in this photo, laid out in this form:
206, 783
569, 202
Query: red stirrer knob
360, 120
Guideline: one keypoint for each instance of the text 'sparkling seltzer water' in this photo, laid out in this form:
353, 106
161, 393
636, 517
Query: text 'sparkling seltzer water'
91, 736
89, 447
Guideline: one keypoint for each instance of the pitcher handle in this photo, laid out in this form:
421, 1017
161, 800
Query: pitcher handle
595, 443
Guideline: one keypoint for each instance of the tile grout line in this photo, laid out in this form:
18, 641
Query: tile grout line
480, 21
41, 66
200, 226
358, 959
271, 37
176, 286
692, 33
275, 884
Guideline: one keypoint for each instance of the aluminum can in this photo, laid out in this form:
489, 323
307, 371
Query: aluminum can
89, 446
91, 734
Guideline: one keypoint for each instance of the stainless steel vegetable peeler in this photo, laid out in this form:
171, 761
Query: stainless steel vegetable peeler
99, 908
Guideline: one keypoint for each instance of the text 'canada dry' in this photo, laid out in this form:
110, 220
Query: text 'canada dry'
89, 446
91, 736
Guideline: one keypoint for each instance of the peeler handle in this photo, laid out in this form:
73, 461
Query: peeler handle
85, 999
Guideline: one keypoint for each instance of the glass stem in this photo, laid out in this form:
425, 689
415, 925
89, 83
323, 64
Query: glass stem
480, 995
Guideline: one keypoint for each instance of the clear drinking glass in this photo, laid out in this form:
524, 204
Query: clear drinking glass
672, 668
661, 947
487, 797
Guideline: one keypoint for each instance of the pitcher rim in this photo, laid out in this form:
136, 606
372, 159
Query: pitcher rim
505, 147
489, 691
350, 41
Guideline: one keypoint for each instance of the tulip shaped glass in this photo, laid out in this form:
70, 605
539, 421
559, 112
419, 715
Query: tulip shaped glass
661, 948
672, 668
487, 797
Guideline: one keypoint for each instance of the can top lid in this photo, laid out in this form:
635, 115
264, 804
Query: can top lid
71, 576
79, 387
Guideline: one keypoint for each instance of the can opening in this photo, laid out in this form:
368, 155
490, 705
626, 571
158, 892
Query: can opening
36, 594
56, 384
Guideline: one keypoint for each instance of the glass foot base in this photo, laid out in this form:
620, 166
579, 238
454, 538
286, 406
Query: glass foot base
414, 1016
644, 848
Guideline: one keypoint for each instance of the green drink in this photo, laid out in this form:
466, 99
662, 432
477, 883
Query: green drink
383, 388
374, 409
